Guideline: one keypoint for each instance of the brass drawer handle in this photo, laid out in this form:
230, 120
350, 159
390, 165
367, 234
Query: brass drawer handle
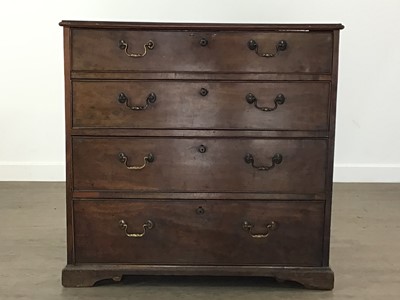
146, 226
149, 158
270, 227
279, 100
276, 160
151, 99
148, 46
280, 46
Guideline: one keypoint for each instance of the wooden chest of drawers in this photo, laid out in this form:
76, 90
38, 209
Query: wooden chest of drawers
199, 149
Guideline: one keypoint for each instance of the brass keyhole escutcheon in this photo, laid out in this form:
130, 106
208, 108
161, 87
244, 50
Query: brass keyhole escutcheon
203, 92
202, 149
200, 210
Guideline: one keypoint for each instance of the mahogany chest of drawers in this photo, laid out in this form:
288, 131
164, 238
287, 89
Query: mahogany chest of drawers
199, 149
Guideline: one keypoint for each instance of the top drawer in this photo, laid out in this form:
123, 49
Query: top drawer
193, 51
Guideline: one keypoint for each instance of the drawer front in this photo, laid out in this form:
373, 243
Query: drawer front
200, 165
188, 51
199, 232
199, 105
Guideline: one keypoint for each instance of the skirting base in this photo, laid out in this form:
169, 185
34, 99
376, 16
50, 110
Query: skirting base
86, 275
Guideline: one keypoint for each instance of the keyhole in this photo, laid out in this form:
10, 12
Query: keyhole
200, 211
202, 149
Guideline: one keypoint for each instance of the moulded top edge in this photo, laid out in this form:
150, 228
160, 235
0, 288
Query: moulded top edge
198, 26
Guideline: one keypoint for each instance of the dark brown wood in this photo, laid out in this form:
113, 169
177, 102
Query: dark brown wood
99, 194
181, 235
331, 148
68, 145
215, 76
85, 275
196, 130
179, 105
180, 167
125, 132
199, 26
308, 52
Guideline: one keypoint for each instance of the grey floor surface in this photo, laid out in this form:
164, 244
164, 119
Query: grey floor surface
365, 252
